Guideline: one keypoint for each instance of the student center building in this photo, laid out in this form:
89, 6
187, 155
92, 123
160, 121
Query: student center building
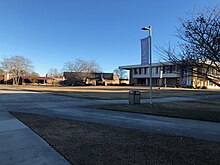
163, 74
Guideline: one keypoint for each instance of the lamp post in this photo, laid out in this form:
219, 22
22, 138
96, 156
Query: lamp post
150, 35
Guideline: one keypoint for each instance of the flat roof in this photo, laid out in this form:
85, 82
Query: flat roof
142, 66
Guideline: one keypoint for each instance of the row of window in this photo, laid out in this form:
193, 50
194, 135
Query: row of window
156, 70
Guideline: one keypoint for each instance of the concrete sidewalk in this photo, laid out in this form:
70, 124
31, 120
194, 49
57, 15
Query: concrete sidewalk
68, 108
20, 145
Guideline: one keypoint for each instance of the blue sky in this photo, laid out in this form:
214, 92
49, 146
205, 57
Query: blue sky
52, 32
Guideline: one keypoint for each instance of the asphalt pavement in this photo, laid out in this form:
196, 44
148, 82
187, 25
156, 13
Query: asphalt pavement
19, 144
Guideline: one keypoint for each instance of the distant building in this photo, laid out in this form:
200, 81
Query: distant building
82, 78
1, 79
164, 74
5, 78
167, 74
8, 79
38, 80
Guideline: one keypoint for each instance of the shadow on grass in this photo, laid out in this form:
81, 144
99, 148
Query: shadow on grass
90, 143
207, 110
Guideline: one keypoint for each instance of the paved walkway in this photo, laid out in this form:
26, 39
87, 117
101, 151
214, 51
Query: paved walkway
68, 108
20, 145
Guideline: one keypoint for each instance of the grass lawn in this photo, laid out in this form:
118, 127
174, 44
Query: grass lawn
116, 92
206, 109
90, 143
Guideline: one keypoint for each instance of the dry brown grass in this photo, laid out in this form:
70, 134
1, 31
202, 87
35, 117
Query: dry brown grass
116, 92
90, 143
207, 109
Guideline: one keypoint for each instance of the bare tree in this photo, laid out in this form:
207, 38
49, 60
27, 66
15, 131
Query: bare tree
82, 69
17, 66
122, 74
53, 72
1, 71
2, 76
81, 66
33, 77
199, 45
69, 67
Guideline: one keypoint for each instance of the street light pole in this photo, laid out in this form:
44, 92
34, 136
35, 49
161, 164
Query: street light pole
150, 37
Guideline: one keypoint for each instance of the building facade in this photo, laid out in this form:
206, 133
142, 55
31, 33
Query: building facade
164, 75
82, 78
26, 80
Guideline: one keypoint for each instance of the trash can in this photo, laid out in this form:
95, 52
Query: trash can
134, 97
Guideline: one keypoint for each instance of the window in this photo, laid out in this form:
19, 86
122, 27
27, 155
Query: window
153, 70
171, 69
164, 69
158, 81
135, 71
156, 72
147, 70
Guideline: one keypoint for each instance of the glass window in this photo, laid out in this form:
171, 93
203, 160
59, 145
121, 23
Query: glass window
147, 70
135, 71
